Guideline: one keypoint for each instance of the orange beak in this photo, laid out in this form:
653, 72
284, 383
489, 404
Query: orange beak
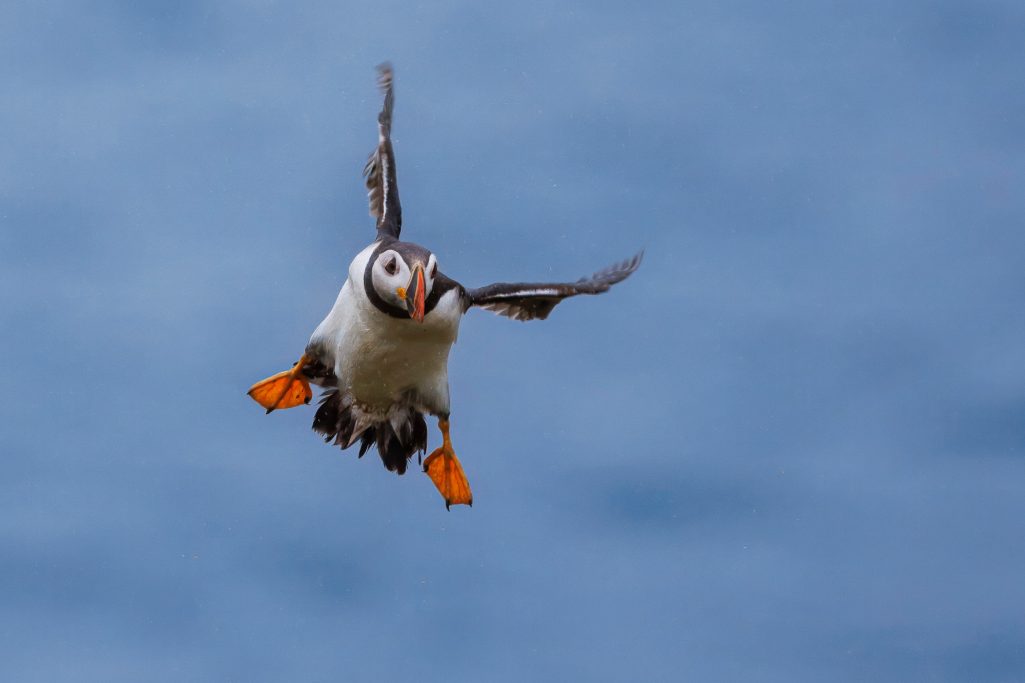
415, 294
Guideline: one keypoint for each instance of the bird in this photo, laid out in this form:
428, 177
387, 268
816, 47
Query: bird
381, 354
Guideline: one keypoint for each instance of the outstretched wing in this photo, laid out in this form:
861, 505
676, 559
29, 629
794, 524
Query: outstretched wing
382, 187
529, 301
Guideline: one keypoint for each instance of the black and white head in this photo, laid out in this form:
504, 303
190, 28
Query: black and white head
402, 276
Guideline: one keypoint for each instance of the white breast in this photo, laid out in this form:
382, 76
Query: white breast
379, 359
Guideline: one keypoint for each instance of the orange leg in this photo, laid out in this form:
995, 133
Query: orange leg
443, 467
284, 390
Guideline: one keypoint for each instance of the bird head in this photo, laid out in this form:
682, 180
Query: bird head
403, 276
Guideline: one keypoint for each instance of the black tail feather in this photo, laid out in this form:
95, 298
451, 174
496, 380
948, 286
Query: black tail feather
367, 440
391, 448
336, 422
420, 434
326, 419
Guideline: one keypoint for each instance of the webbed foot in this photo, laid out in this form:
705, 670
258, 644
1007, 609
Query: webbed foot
445, 470
284, 390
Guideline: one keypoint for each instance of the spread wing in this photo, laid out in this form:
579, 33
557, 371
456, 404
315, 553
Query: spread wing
382, 187
529, 301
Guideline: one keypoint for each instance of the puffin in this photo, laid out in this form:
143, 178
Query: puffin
381, 354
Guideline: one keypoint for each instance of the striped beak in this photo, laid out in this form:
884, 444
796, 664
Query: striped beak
415, 294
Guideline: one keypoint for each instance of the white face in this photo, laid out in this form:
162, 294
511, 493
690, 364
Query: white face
391, 274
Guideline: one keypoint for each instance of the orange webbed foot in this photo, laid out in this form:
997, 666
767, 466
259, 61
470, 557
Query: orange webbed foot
445, 470
284, 390
447, 474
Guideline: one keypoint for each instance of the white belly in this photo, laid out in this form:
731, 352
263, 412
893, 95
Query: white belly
380, 360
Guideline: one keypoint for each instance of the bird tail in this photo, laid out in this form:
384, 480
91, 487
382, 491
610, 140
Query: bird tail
400, 434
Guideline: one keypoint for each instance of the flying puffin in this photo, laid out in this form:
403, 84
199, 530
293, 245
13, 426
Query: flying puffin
382, 351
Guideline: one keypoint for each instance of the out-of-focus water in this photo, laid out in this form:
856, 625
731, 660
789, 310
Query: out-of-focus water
789, 448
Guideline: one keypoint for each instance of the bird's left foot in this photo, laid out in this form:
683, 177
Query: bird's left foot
444, 469
284, 390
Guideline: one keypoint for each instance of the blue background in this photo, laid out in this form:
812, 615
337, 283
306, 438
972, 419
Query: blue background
789, 448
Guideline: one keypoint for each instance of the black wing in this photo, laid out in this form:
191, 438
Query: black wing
528, 301
382, 187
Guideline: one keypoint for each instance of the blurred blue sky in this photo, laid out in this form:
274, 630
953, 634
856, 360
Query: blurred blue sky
789, 448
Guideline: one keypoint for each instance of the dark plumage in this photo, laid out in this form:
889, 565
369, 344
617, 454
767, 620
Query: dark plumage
337, 423
382, 186
530, 301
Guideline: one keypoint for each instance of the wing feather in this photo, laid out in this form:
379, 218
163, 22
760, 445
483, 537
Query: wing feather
534, 301
382, 185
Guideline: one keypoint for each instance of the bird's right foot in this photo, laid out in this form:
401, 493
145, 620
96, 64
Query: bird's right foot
284, 390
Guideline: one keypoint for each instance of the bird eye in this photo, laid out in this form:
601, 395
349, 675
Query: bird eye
434, 270
390, 266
